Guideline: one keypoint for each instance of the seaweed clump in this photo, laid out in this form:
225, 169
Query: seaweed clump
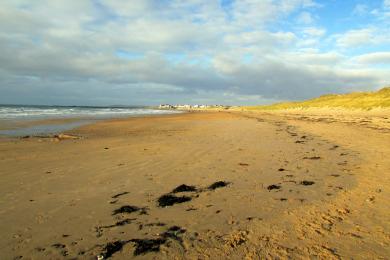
307, 183
126, 209
184, 188
273, 187
218, 184
169, 200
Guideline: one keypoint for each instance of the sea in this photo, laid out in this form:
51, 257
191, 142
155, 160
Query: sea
13, 116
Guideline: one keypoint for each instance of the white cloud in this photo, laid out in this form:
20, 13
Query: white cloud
314, 32
374, 58
386, 3
362, 37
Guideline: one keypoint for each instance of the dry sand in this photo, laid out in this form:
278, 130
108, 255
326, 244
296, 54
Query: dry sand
298, 186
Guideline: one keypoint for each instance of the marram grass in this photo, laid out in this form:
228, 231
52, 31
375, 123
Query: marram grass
356, 100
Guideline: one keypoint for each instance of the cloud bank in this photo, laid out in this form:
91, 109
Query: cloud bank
146, 52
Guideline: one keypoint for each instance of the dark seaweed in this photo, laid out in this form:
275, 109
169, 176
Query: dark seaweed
243, 164
113, 247
307, 183
218, 184
174, 232
156, 224
184, 188
58, 245
120, 194
169, 200
143, 246
126, 209
121, 223
273, 187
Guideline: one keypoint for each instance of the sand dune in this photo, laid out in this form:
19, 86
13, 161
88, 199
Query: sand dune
362, 101
200, 186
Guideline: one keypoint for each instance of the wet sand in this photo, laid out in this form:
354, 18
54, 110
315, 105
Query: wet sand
200, 185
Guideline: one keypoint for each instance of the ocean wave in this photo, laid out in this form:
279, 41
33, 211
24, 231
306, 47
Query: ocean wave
25, 112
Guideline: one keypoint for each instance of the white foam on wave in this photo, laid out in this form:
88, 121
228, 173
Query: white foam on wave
24, 112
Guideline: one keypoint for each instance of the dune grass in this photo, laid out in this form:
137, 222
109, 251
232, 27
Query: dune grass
356, 100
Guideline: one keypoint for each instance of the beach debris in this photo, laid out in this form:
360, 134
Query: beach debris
155, 224
174, 233
129, 209
120, 223
111, 248
218, 184
281, 169
273, 187
143, 246
169, 200
307, 183
184, 188
58, 245
243, 164
312, 158
57, 137
120, 194
66, 136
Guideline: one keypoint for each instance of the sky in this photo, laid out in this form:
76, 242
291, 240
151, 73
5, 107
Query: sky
149, 52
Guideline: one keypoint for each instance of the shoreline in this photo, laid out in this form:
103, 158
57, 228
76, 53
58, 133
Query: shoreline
14, 128
199, 185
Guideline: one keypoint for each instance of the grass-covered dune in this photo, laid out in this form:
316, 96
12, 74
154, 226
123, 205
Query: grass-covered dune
355, 100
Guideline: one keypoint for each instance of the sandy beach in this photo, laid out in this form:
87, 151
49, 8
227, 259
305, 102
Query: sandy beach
202, 185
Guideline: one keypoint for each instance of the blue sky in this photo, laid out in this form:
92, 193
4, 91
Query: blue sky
147, 52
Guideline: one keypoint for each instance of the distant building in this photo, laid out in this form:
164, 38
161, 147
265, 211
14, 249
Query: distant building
189, 107
166, 106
